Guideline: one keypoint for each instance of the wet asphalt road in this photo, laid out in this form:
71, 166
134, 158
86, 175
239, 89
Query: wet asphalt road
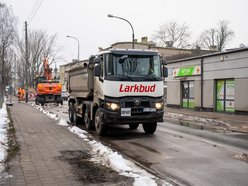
187, 156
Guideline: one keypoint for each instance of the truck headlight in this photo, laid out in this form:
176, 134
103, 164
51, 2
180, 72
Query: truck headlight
159, 105
112, 106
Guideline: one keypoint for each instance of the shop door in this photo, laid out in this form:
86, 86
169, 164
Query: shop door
225, 95
188, 94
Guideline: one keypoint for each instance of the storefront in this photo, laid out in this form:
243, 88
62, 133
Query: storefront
216, 82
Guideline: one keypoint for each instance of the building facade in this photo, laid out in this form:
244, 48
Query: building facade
214, 82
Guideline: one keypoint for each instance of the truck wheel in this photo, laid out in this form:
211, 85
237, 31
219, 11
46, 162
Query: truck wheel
133, 126
101, 128
86, 118
150, 128
71, 114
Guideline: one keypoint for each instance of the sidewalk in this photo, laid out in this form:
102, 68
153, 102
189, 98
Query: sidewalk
38, 162
210, 120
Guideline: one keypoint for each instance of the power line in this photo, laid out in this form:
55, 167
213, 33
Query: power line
39, 2
35, 9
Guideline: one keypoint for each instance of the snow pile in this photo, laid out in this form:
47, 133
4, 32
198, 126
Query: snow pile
81, 133
196, 119
107, 157
4, 120
62, 122
50, 114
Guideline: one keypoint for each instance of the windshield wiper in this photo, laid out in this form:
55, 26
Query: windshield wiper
151, 77
126, 77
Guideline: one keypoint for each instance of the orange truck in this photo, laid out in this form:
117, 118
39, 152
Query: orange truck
48, 90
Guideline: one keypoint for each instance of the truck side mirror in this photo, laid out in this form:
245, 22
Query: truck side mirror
97, 70
165, 71
97, 59
164, 62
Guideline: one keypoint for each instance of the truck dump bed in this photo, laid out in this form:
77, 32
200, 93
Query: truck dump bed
81, 82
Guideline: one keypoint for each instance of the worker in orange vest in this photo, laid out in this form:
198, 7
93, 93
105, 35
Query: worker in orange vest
22, 94
19, 94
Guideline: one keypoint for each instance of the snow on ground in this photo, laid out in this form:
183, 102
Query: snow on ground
197, 119
4, 120
107, 157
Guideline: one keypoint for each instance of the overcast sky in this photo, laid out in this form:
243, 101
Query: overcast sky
87, 20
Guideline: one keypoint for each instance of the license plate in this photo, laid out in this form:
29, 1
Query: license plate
149, 110
126, 112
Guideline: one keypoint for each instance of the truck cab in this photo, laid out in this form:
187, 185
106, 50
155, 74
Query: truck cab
124, 87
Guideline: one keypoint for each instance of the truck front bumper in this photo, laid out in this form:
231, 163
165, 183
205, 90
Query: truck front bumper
48, 98
116, 118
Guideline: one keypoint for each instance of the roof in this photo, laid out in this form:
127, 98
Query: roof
210, 55
130, 51
73, 62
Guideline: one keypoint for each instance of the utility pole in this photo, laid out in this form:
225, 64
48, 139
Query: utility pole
2, 88
26, 57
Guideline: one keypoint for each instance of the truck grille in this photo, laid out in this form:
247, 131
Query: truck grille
134, 102
140, 104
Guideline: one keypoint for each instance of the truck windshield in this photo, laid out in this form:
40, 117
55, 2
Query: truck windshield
132, 67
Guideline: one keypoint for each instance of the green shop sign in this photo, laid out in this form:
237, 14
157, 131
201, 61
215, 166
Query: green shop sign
187, 71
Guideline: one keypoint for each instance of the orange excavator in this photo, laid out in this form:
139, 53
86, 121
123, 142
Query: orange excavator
48, 90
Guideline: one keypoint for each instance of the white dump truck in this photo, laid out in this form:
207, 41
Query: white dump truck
118, 86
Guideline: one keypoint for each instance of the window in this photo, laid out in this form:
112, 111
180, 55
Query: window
188, 94
225, 95
133, 65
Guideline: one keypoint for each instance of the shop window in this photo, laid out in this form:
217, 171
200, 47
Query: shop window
225, 95
188, 94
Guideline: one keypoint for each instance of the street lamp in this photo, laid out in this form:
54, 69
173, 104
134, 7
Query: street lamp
77, 42
112, 16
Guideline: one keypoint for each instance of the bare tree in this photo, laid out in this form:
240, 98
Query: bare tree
172, 34
8, 35
40, 46
218, 37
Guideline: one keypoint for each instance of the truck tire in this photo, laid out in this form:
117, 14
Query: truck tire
59, 100
86, 119
150, 128
133, 126
101, 128
71, 118
74, 119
